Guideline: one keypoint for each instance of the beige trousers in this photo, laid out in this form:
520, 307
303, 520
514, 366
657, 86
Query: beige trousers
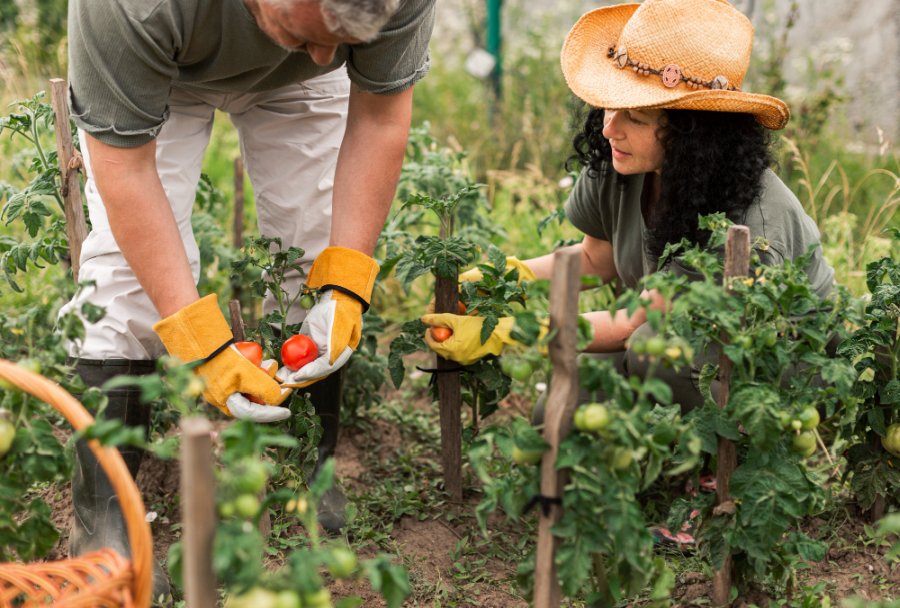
289, 139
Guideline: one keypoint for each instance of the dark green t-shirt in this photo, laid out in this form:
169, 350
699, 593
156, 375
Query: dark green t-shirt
125, 57
610, 210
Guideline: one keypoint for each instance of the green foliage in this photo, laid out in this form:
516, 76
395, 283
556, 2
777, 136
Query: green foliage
38, 206
874, 350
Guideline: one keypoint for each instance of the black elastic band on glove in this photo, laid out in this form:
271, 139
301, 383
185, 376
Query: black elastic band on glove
216, 352
545, 501
347, 292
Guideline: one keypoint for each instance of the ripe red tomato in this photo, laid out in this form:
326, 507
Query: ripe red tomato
251, 350
439, 334
297, 351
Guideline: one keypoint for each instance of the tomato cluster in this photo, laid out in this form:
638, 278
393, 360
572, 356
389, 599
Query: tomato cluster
803, 425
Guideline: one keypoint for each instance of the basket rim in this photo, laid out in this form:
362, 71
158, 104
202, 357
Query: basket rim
139, 536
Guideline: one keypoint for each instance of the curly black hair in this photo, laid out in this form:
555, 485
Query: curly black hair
713, 162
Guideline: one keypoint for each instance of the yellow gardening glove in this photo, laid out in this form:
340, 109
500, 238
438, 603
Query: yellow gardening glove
525, 273
345, 278
465, 346
199, 332
475, 274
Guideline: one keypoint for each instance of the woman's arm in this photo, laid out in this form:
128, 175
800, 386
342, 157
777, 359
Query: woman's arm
596, 259
612, 330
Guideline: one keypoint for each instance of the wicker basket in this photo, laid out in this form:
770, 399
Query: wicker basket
99, 579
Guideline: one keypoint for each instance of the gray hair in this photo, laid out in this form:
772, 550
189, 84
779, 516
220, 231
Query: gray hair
360, 19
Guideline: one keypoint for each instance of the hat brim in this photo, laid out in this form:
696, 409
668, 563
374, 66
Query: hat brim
596, 79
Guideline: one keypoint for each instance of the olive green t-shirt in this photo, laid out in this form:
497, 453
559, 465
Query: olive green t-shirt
610, 210
125, 56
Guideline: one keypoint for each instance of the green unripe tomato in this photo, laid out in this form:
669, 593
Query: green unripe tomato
809, 418
594, 417
342, 562
7, 432
227, 510
246, 506
251, 476
745, 342
638, 348
520, 456
318, 599
257, 597
796, 425
804, 443
622, 459
287, 599
521, 370
656, 346
785, 419
664, 433
891, 439
578, 420
307, 301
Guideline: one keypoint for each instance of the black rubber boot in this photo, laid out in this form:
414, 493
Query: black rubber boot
325, 396
97, 519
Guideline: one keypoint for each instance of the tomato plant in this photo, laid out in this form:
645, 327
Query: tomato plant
298, 350
874, 351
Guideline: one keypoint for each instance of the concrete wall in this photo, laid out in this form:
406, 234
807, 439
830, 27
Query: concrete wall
859, 39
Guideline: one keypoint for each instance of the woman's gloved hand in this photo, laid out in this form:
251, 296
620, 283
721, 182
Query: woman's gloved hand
464, 346
199, 332
525, 273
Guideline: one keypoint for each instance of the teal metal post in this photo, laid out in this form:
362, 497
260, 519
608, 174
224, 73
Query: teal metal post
494, 41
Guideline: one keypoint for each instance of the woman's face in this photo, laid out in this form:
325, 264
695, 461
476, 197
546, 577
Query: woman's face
633, 136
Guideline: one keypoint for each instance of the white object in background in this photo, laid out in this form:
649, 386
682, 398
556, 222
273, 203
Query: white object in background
480, 63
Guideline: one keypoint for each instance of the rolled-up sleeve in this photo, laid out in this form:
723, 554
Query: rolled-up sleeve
398, 57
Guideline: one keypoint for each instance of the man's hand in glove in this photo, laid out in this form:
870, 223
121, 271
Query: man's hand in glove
199, 333
345, 278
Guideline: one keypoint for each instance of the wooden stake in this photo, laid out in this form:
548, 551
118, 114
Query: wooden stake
198, 507
237, 322
446, 299
737, 264
560, 409
69, 164
237, 229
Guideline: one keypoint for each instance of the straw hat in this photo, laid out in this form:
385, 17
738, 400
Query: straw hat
679, 54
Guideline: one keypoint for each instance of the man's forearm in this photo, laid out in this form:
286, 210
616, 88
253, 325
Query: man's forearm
142, 223
368, 167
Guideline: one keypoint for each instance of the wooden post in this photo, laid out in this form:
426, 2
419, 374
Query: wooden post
237, 322
237, 228
69, 164
198, 508
737, 264
560, 409
446, 299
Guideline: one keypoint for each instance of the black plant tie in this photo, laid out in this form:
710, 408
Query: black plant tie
545, 501
434, 371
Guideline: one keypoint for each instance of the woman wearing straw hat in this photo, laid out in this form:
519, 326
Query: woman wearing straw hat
670, 136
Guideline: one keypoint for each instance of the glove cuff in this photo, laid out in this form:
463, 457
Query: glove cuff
196, 332
525, 273
346, 270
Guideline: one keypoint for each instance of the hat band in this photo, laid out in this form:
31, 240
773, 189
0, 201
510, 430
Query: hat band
671, 75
